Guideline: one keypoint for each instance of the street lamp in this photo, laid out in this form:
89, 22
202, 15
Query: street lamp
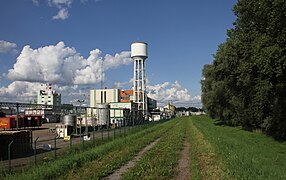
86, 127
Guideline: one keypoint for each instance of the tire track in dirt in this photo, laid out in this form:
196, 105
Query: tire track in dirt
182, 169
117, 174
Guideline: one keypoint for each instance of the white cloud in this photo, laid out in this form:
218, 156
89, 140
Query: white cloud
59, 64
60, 3
63, 6
27, 91
19, 91
174, 92
36, 2
62, 14
7, 47
122, 58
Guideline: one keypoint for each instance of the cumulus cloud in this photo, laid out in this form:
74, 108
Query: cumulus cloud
63, 65
174, 92
19, 91
7, 47
62, 14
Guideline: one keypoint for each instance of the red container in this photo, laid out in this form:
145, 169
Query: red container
6, 122
36, 121
9, 122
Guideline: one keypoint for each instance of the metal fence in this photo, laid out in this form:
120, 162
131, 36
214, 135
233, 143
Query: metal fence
92, 125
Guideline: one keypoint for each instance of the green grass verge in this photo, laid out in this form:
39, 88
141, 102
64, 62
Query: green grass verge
160, 161
246, 155
204, 163
124, 151
194, 167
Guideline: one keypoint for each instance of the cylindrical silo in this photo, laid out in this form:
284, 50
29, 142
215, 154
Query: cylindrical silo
69, 120
102, 113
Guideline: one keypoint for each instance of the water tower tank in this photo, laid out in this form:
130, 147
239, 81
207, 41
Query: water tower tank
139, 49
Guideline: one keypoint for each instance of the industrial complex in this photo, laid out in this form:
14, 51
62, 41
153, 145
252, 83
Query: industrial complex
108, 108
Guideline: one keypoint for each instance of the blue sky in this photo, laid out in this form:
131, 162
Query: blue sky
182, 35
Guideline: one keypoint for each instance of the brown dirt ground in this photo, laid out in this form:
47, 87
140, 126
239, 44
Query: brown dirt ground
182, 169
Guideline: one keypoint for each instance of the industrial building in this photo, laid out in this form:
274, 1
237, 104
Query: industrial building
132, 103
121, 104
49, 97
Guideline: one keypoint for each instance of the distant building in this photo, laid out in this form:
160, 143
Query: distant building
121, 104
103, 96
126, 95
152, 104
49, 97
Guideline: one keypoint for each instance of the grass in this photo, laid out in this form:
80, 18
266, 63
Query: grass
246, 155
76, 148
160, 161
216, 152
115, 158
204, 163
74, 159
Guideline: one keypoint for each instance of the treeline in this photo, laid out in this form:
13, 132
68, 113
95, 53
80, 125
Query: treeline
246, 83
191, 109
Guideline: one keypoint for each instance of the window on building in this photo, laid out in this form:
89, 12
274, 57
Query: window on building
101, 97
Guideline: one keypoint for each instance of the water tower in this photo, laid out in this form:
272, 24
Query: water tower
139, 55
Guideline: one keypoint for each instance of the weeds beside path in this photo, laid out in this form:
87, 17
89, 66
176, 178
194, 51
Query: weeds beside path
205, 162
182, 171
160, 161
117, 174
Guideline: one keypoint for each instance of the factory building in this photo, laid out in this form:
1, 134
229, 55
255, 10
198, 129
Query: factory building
104, 96
47, 96
126, 95
126, 103
121, 105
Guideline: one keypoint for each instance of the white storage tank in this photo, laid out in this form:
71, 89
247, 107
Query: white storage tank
102, 113
69, 120
139, 49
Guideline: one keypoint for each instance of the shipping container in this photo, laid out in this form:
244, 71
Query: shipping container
9, 122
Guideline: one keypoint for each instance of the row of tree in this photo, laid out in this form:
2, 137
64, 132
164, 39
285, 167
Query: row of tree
246, 83
191, 109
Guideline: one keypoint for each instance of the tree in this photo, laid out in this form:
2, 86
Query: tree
246, 83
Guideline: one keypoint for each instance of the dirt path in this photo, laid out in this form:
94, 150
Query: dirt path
182, 169
117, 174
